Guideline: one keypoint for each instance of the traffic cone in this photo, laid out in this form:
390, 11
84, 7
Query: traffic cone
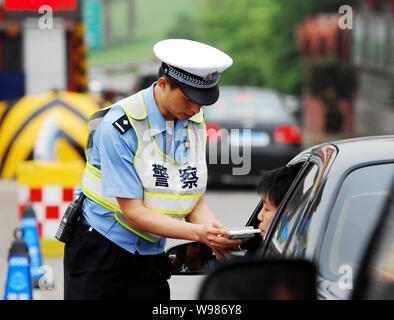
19, 280
30, 235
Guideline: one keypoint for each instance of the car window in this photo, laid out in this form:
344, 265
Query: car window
378, 280
242, 105
353, 218
292, 210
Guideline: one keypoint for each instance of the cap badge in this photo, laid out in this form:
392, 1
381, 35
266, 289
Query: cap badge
212, 76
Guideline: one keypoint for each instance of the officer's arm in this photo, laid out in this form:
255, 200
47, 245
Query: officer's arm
140, 217
202, 214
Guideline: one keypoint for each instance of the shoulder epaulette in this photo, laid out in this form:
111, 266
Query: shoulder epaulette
122, 124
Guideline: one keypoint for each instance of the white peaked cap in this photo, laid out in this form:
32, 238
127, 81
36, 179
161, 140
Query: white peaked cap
195, 66
194, 57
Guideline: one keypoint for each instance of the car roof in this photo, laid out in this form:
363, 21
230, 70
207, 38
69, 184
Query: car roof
361, 149
365, 149
236, 96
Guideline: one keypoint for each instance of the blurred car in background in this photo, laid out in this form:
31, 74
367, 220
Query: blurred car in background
254, 118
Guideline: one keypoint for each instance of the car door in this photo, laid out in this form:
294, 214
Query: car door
376, 275
283, 227
352, 219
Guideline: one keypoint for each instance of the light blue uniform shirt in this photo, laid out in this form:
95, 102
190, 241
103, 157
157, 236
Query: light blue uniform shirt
113, 153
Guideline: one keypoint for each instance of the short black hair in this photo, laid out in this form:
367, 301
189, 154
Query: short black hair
172, 81
276, 182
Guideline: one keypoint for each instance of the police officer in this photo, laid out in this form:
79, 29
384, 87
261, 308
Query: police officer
145, 179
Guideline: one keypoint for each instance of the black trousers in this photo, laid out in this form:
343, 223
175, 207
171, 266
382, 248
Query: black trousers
95, 268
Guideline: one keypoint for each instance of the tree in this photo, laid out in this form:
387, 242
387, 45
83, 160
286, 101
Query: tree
257, 34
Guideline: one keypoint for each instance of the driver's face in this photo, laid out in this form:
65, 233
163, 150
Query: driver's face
266, 215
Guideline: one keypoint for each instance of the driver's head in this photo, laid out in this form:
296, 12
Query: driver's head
272, 187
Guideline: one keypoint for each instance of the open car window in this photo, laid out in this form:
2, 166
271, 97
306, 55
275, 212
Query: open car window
291, 211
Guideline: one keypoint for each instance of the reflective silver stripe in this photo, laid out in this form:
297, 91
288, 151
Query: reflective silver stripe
187, 193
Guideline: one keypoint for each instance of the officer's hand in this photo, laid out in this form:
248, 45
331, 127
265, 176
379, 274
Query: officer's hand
226, 253
212, 236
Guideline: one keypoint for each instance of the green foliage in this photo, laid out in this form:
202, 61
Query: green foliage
257, 34
153, 19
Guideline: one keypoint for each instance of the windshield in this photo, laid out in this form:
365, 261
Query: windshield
255, 104
353, 218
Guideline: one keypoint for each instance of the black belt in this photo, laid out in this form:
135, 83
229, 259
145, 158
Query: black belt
84, 221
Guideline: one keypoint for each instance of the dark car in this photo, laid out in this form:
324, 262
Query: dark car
249, 130
329, 213
296, 279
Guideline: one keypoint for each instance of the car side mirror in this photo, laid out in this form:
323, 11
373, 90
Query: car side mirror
191, 258
257, 279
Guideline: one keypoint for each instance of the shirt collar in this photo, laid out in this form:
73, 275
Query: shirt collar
156, 120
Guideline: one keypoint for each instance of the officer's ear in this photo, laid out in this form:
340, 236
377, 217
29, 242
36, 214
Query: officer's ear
163, 83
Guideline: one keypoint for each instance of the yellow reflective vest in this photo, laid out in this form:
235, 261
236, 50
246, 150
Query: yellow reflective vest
170, 188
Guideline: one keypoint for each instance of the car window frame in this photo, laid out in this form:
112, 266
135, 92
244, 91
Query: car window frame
306, 210
306, 206
276, 218
257, 242
324, 165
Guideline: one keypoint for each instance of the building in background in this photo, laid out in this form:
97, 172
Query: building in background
349, 72
373, 55
329, 78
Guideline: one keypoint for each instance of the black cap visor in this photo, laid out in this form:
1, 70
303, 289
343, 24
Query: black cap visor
204, 97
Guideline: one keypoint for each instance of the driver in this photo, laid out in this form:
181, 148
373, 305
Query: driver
272, 187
